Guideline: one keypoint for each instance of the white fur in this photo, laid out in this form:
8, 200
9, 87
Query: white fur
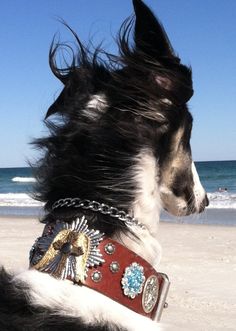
80, 301
147, 203
96, 106
146, 209
167, 101
199, 192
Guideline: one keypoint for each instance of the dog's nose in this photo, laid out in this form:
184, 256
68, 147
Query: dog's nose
204, 204
206, 201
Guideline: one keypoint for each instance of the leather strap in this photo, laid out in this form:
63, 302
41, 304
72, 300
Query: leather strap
116, 272
110, 282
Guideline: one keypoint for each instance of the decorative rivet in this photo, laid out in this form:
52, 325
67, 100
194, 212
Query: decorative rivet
114, 267
96, 276
66, 248
110, 248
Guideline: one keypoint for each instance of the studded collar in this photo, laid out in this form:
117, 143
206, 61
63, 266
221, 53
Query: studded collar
86, 257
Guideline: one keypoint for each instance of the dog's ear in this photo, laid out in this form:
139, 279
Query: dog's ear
149, 35
152, 42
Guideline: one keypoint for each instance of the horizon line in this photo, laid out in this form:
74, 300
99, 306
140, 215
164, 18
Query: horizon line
15, 167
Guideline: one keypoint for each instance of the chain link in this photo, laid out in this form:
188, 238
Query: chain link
97, 207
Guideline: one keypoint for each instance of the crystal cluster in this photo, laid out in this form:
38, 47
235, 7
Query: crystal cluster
133, 280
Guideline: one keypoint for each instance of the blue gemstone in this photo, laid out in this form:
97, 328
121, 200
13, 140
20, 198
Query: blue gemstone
133, 280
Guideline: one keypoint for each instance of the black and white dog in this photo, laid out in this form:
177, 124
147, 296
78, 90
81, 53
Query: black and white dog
118, 151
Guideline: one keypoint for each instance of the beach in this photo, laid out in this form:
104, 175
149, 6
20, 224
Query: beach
200, 261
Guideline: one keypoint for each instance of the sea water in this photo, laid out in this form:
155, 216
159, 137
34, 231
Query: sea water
217, 177
16, 190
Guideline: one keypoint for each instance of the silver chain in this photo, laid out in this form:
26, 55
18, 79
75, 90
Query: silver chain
97, 207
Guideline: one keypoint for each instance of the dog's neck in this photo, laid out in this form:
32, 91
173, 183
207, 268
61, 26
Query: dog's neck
146, 209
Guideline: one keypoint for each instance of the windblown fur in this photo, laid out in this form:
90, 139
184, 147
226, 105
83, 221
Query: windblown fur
119, 134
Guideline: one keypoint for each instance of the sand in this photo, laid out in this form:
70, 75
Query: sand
201, 264
200, 261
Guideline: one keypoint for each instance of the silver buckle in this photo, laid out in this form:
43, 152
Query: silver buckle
162, 297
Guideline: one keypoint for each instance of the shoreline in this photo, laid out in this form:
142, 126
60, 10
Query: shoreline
199, 260
211, 216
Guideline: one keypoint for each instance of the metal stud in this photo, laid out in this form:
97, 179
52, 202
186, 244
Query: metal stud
96, 276
110, 248
114, 267
66, 248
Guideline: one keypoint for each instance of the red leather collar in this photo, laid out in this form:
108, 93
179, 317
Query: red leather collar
103, 265
108, 281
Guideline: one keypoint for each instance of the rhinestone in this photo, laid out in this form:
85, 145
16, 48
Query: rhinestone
133, 280
114, 267
96, 276
110, 248
150, 294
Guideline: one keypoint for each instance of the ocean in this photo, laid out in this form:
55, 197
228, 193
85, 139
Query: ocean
217, 177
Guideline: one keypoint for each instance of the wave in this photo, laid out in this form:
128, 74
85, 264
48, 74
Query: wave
217, 200
18, 200
23, 180
222, 200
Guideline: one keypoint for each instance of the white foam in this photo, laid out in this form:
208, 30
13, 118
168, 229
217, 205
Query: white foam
217, 200
18, 200
24, 180
222, 200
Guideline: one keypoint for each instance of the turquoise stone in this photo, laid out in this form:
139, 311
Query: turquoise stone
133, 280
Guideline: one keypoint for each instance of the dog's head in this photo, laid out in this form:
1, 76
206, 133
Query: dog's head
180, 188
110, 111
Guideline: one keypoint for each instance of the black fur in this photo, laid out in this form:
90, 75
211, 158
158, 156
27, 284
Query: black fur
92, 156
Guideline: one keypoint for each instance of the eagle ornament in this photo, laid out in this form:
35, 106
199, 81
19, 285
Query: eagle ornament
68, 250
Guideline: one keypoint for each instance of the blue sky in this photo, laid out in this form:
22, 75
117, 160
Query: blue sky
202, 32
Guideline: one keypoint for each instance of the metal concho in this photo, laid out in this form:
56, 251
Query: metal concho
150, 293
68, 251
